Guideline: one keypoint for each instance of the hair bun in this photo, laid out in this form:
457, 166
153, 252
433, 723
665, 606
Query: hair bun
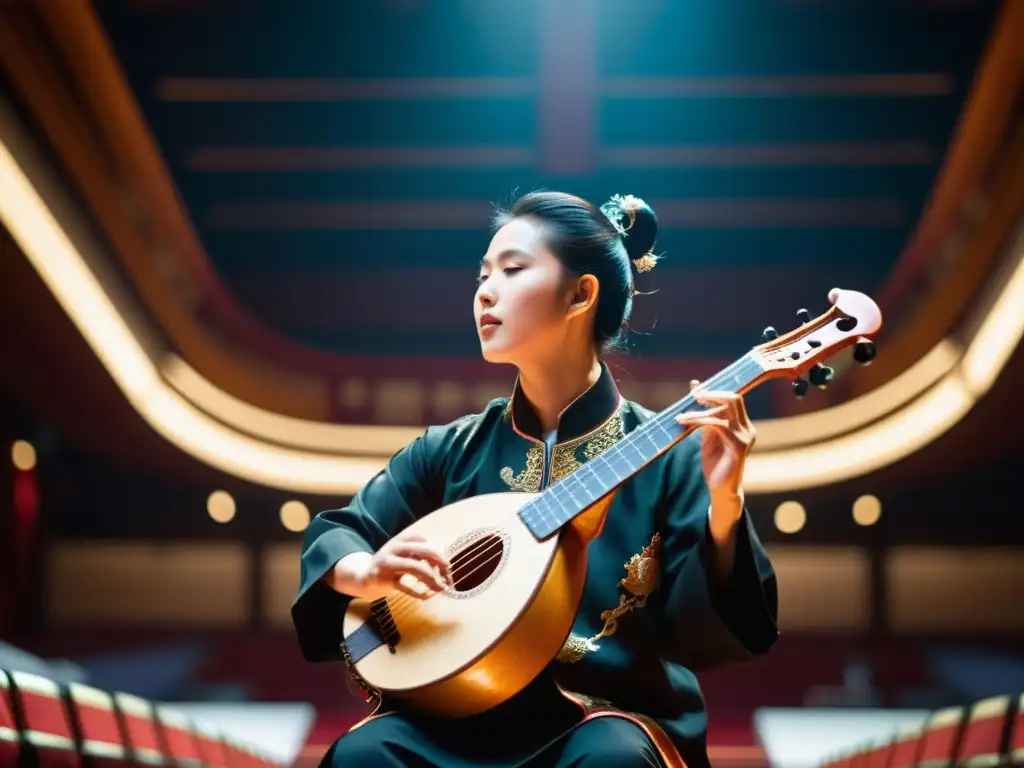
638, 225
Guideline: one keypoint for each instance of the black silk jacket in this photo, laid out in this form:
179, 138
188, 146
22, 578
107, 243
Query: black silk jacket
650, 615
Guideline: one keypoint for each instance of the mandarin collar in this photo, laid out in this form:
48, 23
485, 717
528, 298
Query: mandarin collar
585, 413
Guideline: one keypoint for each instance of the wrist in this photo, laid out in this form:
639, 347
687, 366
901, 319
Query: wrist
724, 514
349, 574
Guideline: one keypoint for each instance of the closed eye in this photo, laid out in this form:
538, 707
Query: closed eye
481, 279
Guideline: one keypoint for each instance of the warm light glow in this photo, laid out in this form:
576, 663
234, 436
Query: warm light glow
790, 516
273, 450
83, 298
999, 333
883, 443
221, 507
360, 439
866, 510
294, 516
23, 455
816, 426
243, 456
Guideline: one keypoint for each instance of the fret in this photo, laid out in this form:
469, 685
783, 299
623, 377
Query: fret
564, 500
636, 449
621, 466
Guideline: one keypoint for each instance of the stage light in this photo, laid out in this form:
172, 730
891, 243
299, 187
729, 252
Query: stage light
866, 510
23, 455
790, 516
295, 516
221, 507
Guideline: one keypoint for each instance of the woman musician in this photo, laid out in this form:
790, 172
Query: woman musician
677, 582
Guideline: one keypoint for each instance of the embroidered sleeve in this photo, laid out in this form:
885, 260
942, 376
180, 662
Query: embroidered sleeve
707, 624
409, 487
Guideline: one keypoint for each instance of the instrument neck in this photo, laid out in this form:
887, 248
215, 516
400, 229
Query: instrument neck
563, 501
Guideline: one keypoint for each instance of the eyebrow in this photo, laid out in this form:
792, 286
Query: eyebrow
507, 254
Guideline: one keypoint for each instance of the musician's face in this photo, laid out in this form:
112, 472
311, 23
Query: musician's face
523, 298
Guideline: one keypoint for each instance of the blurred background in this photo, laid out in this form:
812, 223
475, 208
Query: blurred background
238, 245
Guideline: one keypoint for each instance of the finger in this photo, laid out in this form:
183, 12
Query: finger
419, 594
744, 419
733, 403
423, 551
734, 399
403, 537
716, 395
737, 437
703, 421
715, 411
418, 569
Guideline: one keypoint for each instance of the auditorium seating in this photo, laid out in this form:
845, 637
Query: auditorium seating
10, 738
45, 725
1016, 750
905, 749
101, 742
983, 741
45, 728
181, 742
984, 734
940, 738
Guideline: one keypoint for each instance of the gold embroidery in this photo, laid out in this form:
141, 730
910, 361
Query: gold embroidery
574, 649
563, 458
642, 576
529, 479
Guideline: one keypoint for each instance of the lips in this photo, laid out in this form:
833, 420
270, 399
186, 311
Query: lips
488, 326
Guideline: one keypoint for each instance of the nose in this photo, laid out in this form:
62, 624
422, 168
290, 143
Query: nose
485, 296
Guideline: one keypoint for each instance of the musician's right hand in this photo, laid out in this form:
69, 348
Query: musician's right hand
376, 576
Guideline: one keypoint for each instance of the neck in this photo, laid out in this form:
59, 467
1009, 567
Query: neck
551, 385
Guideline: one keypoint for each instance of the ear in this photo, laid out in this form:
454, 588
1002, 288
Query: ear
584, 296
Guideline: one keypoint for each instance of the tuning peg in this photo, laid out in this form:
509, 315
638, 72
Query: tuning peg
800, 388
820, 375
769, 334
864, 351
803, 316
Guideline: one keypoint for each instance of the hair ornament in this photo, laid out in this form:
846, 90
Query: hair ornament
646, 263
620, 208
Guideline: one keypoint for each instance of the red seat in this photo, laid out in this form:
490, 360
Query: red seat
182, 745
211, 747
47, 729
140, 730
859, 759
239, 756
1017, 735
880, 756
10, 737
982, 742
102, 743
905, 749
842, 761
940, 737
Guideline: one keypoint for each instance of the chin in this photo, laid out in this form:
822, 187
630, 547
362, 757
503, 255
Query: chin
495, 353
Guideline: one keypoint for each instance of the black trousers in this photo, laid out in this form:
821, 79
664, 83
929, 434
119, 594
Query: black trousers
397, 741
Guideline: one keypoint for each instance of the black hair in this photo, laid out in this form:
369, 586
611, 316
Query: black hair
606, 242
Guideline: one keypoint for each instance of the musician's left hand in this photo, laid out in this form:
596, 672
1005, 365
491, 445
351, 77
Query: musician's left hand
725, 444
